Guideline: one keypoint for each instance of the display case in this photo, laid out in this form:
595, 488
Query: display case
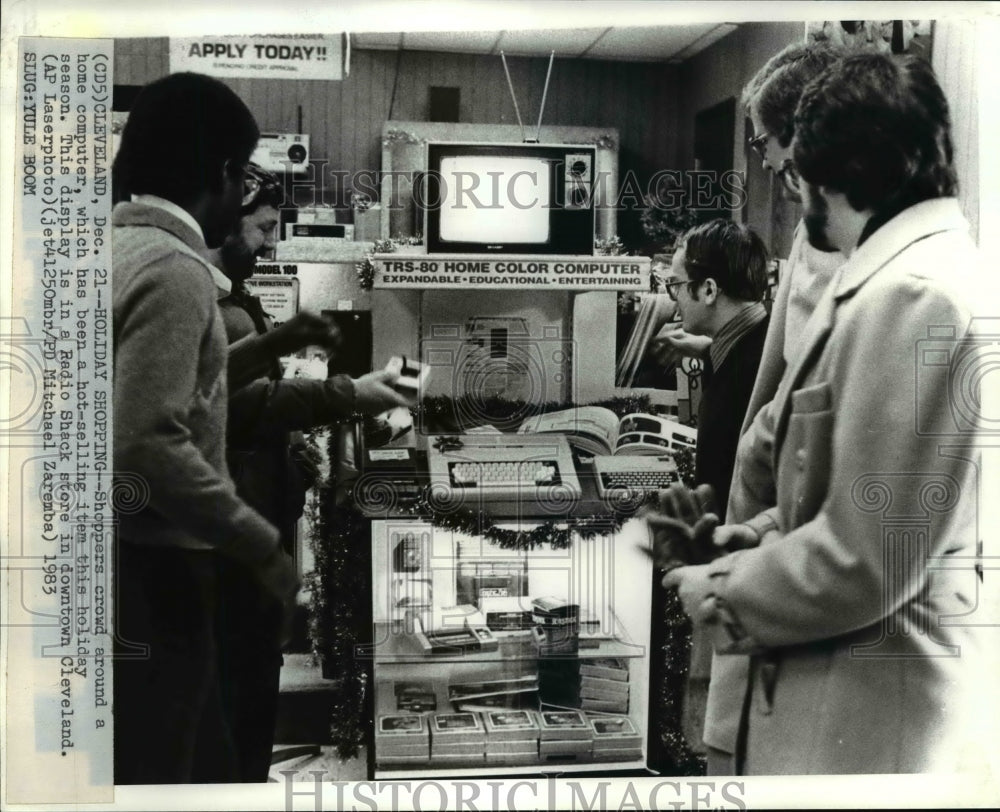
496, 661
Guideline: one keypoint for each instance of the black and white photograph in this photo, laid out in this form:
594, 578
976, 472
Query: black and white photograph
380, 382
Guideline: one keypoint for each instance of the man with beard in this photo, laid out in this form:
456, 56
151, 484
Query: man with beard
770, 99
841, 603
271, 466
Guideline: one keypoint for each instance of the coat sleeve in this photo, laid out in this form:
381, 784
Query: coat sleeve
837, 571
166, 321
296, 404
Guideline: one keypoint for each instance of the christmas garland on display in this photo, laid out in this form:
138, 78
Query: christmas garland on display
340, 585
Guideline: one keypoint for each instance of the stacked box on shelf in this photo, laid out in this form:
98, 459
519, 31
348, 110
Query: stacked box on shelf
414, 696
402, 740
457, 739
604, 685
556, 636
564, 735
511, 737
615, 739
611, 668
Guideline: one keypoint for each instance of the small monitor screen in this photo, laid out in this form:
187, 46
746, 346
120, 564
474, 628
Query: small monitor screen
492, 198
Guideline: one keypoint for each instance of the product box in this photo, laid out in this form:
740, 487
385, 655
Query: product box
506, 614
457, 728
615, 733
403, 750
618, 754
401, 761
571, 750
415, 696
402, 739
521, 758
605, 668
605, 705
510, 725
401, 729
612, 686
551, 611
468, 759
563, 725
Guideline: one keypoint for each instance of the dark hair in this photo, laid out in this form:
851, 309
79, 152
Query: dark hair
777, 97
731, 254
181, 131
876, 128
264, 188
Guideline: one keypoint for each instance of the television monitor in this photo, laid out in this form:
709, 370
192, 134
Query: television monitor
509, 198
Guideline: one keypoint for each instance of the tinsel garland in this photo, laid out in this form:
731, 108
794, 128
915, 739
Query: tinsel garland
558, 535
341, 599
340, 617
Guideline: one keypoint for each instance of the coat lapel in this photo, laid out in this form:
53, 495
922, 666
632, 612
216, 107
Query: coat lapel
913, 224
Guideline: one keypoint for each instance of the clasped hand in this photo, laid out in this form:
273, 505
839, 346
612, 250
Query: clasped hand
686, 529
683, 524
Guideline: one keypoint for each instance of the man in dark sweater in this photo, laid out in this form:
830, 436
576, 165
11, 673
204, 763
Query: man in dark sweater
267, 459
718, 279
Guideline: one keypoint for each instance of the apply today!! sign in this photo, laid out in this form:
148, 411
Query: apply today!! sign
270, 57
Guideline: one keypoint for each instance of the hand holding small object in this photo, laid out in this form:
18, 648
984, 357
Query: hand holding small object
673, 343
374, 393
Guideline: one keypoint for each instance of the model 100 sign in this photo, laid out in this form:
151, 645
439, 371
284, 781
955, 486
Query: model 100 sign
512, 272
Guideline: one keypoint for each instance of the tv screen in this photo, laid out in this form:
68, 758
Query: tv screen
509, 198
479, 191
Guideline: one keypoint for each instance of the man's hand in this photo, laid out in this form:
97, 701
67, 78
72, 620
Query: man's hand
732, 537
683, 527
277, 575
672, 343
304, 329
694, 588
373, 393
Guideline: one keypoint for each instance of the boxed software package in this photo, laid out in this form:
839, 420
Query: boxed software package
511, 737
402, 739
615, 739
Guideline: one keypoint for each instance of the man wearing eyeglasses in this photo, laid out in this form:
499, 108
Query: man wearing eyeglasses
182, 159
854, 588
718, 279
270, 464
770, 99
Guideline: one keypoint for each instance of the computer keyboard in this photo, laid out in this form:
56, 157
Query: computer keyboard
634, 474
519, 474
504, 466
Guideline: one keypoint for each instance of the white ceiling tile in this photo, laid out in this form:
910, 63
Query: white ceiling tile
717, 33
661, 42
477, 42
566, 42
377, 40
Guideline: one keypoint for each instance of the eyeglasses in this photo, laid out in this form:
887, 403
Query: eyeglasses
255, 181
759, 144
672, 285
